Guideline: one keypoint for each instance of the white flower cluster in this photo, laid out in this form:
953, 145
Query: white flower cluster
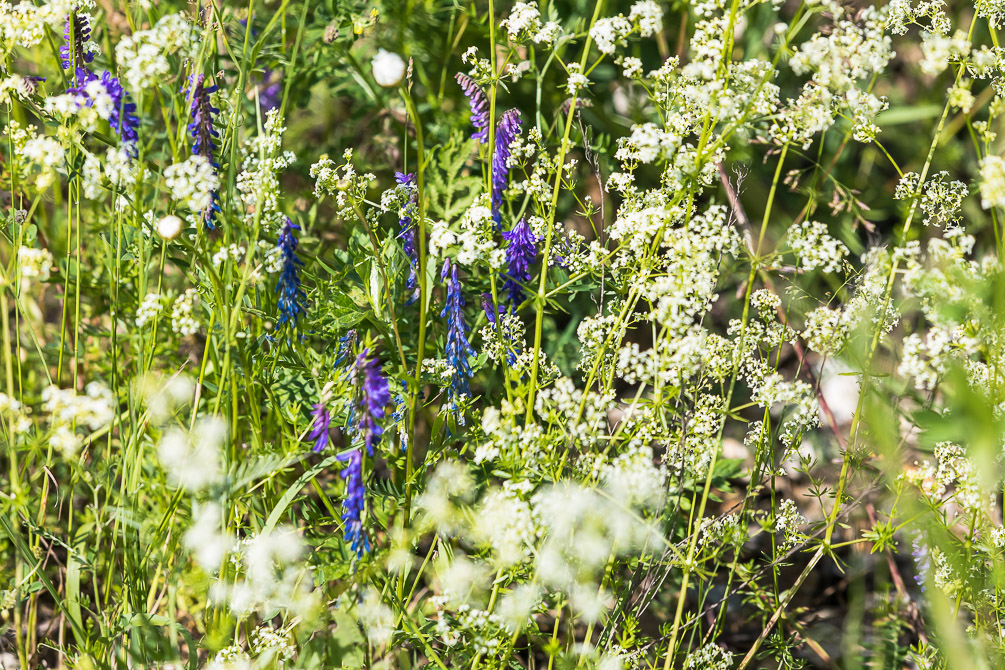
14, 414
271, 576
264, 162
230, 252
25, 23
684, 289
648, 143
815, 248
183, 319
149, 309
709, 657
33, 264
787, 522
524, 24
192, 182
348, 186
193, 460
45, 152
939, 51
144, 56
952, 468
992, 181
67, 411
116, 169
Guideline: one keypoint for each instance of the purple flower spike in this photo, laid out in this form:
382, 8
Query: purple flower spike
202, 131
922, 562
320, 427
407, 234
354, 503
74, 54
479, 106
291, 296
458, 349
122, 117
490, 313
506, 131
374, 396
270, 91
520, 253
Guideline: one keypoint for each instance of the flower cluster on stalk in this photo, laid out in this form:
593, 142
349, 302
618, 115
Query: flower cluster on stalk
407, 232
104, 92
507, 130
479, 106
76, 53
521, 249
204, 135
291, 295
458, 350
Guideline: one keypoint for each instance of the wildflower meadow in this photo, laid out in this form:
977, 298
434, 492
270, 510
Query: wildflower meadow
568, 334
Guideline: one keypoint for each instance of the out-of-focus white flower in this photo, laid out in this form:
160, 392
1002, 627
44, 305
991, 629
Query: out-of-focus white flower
193, 461
388, 68
206, 539
33, 264
169, 227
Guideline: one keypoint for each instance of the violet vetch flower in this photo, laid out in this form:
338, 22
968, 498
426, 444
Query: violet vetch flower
321, 426
458, 349
490, 313
374, 396
407, 234
344, 346
400, 418
479, 106
506, 131
521, 249
74, 54
122, 117
202, 131
270, 91
355, 502
288, 287
922, 562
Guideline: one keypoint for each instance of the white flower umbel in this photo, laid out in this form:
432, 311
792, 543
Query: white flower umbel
145, 55
192, 182
183, 319
992, 182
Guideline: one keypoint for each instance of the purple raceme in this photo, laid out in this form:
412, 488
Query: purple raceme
922, 562
121, 115
344, 348
291, 296
270, 91
355, 502
373, 395
521, 250
458, 349
203, 113
490, 313
479, 106
400, 418
75, 54
506, 131
321, 426
407, 234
